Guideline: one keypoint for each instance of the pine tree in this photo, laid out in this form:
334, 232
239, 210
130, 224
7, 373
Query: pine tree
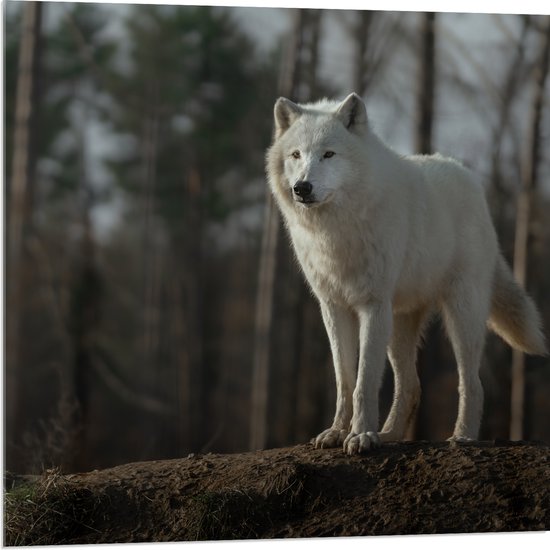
189, 92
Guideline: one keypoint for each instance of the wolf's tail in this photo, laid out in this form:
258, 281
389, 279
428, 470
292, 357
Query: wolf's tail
514, 316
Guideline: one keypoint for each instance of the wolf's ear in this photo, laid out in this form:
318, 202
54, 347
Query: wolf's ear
286, 112
353, 113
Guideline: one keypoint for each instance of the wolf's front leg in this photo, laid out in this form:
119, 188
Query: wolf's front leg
343, 332
375, 325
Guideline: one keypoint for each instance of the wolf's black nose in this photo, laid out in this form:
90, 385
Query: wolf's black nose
303, 188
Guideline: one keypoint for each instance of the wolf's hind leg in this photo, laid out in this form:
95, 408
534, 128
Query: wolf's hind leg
465, 313
402, 351
343, 332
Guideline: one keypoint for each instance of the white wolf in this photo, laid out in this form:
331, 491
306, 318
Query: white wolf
385, 241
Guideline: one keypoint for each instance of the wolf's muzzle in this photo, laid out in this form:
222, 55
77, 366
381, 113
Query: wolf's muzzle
302, 189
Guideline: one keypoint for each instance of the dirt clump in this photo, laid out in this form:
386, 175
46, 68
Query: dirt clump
401, 488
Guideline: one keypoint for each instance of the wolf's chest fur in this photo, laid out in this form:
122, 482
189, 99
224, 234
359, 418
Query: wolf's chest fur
337, 266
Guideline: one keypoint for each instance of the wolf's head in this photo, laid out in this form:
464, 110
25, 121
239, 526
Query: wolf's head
315, 149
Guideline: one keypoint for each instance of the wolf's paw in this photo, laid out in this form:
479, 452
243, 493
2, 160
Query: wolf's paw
460, 440
359, 443
333, 437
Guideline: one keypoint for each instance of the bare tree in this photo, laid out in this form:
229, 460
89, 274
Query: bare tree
20, 193
521, 245
361, 65
193, 294
426, 93
297, 324
150, 254
297, 80
86, 295
429, 356
508, 92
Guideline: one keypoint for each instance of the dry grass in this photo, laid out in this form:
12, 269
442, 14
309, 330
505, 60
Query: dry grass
49, 510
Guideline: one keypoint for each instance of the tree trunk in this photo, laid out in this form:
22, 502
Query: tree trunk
293, 331
266, 282
85, 313
86, 296
150, 254
360, 75
193, 295
521, 244
297, 80
427, 85
510, 89
20, 192
264, 318
430, 355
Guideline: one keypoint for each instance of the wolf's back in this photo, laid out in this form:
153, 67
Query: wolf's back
514, 316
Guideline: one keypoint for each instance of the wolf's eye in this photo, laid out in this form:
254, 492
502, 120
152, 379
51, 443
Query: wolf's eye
296, 154
328, 154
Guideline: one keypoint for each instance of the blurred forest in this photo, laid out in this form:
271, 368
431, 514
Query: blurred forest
153, 306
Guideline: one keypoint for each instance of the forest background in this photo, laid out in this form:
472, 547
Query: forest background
153, 307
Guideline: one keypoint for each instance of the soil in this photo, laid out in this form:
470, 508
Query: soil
401, 488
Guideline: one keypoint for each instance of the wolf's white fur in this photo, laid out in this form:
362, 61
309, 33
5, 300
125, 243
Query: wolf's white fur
385, 241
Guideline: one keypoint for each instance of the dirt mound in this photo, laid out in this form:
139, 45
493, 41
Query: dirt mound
401, 488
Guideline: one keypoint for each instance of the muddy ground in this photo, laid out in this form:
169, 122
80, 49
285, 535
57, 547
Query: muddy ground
401, 488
